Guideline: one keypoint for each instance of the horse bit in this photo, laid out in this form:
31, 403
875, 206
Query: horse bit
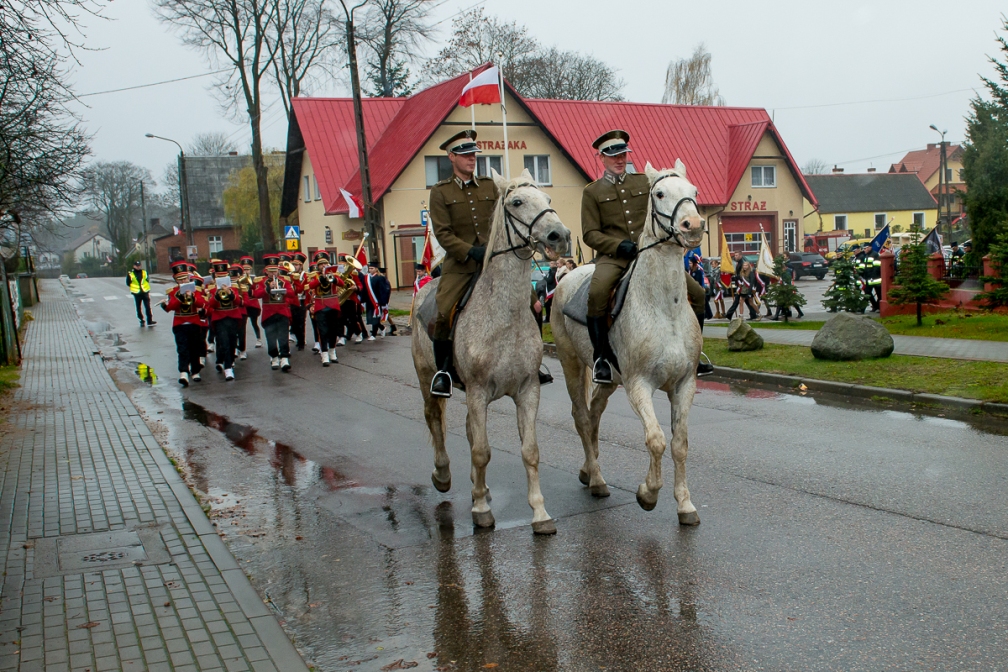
509, 219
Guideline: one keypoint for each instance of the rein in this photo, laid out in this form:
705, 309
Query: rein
509, 222
670, 229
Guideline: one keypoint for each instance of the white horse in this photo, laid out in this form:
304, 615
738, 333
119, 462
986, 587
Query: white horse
656, 338
498, 348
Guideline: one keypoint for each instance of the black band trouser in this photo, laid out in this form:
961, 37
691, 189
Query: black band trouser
277, 327
253, 316
297, 326
329, 327
242, 332
143, 298
225, 340
188, 345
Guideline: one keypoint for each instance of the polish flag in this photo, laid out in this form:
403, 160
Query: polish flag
483, 89
354, 205
428, 254
362, 254
176, 230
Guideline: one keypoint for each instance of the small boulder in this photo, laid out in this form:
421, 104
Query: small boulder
742, 337
848, 337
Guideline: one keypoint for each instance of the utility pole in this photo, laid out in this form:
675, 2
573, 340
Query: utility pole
945, 170
370, 215
143, 213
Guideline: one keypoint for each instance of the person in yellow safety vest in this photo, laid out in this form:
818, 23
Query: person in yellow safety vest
139, 286
869, 268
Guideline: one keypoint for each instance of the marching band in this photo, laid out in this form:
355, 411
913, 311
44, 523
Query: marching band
212, 313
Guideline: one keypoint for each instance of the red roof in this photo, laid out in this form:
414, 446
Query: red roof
924, 162
715, 143
327, 125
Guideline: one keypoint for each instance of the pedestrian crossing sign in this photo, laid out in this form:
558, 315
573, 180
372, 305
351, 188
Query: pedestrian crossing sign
293, 245
292, 233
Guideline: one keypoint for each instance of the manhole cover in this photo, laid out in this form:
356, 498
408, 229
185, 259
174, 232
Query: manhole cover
98, 551
104, 556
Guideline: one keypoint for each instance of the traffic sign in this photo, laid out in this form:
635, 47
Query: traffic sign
293, 245
292, 233
424, 217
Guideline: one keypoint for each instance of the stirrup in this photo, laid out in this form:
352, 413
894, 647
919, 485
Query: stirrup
441, 375
598, 380
704, 368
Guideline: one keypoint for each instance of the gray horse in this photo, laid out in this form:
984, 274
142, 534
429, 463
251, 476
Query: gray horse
656, 338
498, 349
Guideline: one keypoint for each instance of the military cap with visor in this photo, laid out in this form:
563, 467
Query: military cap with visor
463, 142
612, 143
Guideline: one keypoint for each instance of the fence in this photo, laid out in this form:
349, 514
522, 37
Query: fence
11, 316
963, 281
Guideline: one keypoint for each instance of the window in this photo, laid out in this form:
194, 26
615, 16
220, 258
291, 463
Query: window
962, 175
880, 220
840, 222
437, 168
630, 168
318, 194
790, 235
307, 189
745, 243
918, 220
764, 176
485, 163
539, 166
217, 242
948, 175
328, 236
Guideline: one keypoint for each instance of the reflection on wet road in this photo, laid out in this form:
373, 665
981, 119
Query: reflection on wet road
833, 537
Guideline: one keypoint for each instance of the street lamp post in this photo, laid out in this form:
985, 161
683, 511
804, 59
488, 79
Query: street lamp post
942, 166
184, 216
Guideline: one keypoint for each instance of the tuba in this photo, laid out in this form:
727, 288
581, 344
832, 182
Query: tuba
349, 286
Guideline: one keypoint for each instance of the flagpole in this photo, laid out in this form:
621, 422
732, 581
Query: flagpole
472, 108
507, 161
362, 241
426, 240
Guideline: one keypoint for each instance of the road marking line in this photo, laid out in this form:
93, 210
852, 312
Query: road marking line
111, 298
87, 300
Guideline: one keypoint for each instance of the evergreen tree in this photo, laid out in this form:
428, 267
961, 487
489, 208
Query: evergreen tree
845, 293
913, 282
998, 296
985, 158
783, 294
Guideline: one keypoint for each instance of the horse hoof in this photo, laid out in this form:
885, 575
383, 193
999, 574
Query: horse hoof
599, 490
440, 486
544, 527
583, 477
483, 519
647, 503
691, 518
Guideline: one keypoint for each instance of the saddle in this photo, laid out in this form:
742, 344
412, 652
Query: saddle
427, 313
576, 307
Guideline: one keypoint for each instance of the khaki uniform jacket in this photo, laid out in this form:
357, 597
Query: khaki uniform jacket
612, 212
461, 215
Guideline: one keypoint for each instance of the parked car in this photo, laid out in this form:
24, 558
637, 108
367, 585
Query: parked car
807, 263
81, 276
847, 249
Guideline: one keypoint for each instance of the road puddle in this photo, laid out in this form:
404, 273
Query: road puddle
146, 373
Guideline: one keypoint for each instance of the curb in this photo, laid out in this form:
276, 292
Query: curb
848, 389
861, 391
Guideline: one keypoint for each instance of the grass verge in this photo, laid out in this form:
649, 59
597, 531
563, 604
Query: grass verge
971, 326
547, 333
9, 376
986, 381
793, 324
398, 312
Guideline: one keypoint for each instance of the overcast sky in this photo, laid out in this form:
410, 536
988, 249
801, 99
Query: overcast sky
851, 83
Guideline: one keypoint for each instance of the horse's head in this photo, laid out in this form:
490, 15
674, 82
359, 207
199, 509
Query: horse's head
527, 210
674, 214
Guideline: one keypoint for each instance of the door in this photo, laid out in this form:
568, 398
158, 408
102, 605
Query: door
790, 235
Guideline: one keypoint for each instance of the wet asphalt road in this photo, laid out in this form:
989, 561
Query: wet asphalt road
832, 537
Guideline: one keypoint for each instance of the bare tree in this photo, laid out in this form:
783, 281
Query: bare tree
815, 167
392, 32
42, 142
236, 33
305, 37
112, 190
534, 71
689, 81
211, 143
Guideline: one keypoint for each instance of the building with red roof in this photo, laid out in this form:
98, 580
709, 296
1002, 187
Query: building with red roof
749, 184
925, 164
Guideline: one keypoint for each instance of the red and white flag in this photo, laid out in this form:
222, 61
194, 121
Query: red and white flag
483, 89
428, 254
354, 205
362, 255
176, 230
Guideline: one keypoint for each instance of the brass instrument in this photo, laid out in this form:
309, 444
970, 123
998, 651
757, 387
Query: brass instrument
349, 286
244, 283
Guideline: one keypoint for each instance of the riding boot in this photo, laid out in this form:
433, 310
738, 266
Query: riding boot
598, 332
703, 368
446, 377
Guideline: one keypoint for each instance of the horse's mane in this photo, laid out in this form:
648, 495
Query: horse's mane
498, 215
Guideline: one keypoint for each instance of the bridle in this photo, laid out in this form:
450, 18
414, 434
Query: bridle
670, 230
509, 225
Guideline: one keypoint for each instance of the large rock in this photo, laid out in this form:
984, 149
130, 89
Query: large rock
849, 337
742, 337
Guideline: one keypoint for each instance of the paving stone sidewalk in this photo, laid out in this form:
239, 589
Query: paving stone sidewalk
109, 563
922, 346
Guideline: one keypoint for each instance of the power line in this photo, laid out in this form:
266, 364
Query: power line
877, 100
144, 86
877, 156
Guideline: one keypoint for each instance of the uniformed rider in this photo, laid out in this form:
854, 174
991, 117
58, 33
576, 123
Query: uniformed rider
461, 210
